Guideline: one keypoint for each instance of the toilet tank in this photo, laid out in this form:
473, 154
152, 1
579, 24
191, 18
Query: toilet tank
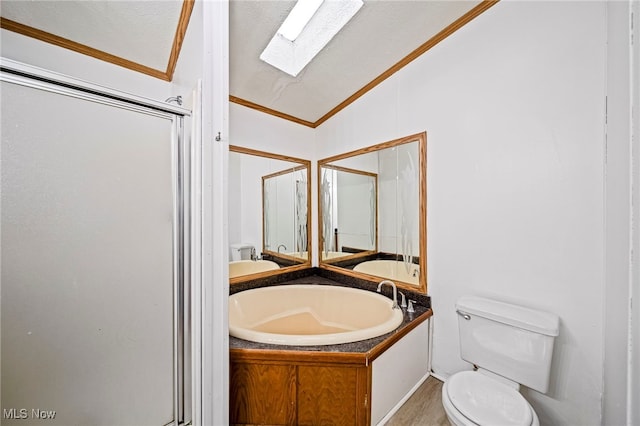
512, 341
241, 251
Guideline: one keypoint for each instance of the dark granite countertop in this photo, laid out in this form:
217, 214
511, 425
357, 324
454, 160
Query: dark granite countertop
422, 307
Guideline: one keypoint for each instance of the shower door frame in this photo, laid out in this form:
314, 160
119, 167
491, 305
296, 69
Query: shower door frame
38, 78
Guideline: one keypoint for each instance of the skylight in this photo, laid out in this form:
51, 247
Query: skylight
311, 24
298, 18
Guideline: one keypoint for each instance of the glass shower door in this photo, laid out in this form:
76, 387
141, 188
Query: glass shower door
90, 260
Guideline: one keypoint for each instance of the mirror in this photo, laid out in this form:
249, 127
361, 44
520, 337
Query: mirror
351, 229
372, 212
269, 224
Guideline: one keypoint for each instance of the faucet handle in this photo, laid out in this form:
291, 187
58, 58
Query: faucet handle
403, 304
410, 308
254, 255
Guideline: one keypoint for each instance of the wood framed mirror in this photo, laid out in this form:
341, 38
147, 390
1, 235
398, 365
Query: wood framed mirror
372, 212
269, 220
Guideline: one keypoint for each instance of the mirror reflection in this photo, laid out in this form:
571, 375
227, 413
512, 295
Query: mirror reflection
372, 205
269, 224
349, 211
284, 204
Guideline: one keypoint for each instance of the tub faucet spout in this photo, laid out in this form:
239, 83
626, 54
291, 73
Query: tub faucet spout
254, 256
395, 292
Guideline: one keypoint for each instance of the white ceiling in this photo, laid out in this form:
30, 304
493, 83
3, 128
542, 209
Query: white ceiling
381, 35
139, 31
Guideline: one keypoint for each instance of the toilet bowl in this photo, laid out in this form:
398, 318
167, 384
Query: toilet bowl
471, 398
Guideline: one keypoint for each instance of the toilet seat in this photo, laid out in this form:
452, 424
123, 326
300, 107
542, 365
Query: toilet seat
485, 401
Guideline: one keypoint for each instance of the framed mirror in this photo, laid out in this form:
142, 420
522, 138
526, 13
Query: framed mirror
350, 230
372, 212
269, 221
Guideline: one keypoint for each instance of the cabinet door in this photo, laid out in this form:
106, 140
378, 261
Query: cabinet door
332, 395
262, 394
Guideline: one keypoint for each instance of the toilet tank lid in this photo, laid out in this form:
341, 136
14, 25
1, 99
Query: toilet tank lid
518, 316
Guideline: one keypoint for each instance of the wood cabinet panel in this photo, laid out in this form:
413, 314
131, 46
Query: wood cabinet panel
262, 394
331, 395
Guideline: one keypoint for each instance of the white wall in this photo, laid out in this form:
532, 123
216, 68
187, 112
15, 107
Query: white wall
513, 106
252, 129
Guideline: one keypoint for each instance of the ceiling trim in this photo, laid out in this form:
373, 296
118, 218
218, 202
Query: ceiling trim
446, 32
167, 75
270, 111
181, 30
65, 43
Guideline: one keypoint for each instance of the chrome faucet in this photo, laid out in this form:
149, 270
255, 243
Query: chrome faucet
281, 245
254, 256
395, 292
403, 304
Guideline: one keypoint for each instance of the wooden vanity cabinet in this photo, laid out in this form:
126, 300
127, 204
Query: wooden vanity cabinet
297, 387
299, 392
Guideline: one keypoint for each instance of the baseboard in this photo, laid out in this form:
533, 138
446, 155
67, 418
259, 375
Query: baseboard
391, 412
438, 376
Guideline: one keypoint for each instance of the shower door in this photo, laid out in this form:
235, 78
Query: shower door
92, 248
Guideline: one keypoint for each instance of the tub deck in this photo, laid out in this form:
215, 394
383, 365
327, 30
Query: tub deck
365, 349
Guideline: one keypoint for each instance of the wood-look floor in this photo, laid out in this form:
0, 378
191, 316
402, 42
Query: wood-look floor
423, 408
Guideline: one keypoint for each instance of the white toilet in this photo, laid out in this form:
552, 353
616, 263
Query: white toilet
510, 345
240, 251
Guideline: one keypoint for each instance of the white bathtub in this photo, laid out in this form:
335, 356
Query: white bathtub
334, 254
304, 255
306, 315
391, 269
246, 267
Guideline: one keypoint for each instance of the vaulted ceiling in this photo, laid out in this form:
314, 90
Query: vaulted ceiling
146, 36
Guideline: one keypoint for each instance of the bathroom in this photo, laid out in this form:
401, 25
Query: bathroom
529, 201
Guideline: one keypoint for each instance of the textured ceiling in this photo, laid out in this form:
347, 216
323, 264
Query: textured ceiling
379, 36
139, 31
146, 36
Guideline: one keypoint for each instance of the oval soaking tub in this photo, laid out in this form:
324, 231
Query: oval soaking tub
246, 267
391, 269
309, 315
